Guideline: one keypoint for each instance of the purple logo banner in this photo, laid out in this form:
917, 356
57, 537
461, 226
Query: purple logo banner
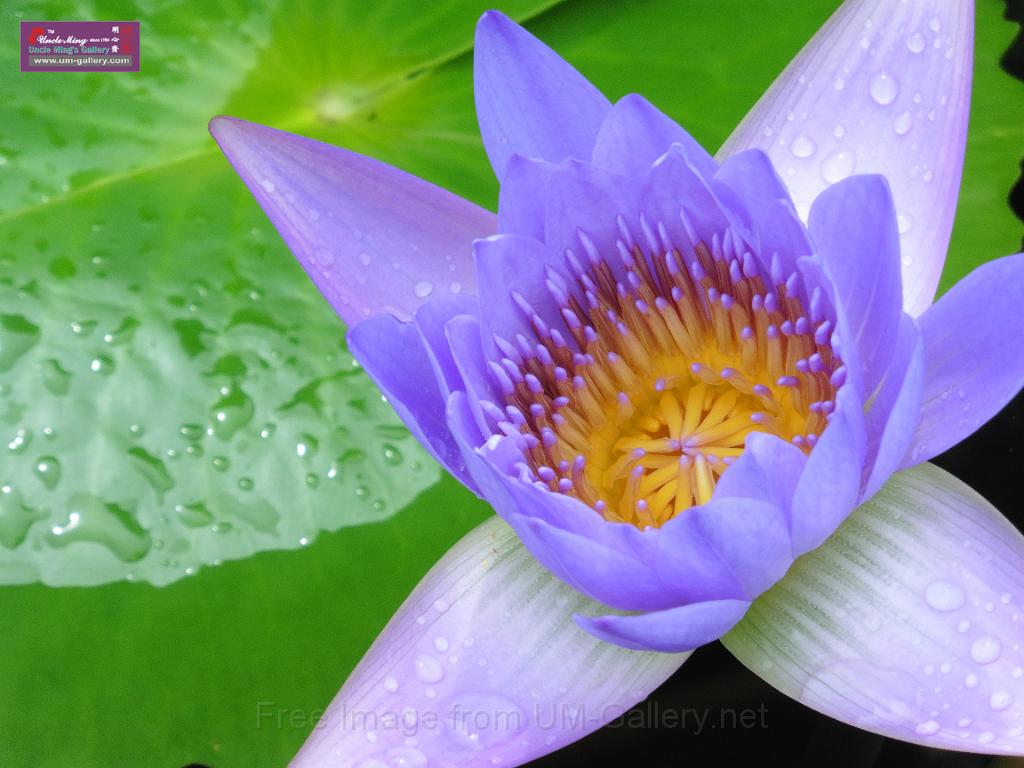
80, 46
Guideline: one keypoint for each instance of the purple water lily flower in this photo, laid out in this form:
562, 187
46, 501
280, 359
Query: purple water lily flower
685, 385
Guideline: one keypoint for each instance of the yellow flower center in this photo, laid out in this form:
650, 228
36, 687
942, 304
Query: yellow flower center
672, 369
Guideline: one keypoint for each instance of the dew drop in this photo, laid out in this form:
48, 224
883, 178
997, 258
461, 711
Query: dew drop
391, 685
405, 757
971, 680
441, 644
365, 259
324, 258
423, 289
482, 721
428, 669
455, 287
904, 223
915, 43
935, 24
268, 185
884, 88
47, 469
927, 728
839, 83
903, 123
839, 131
802, 146
838, 165
1000, 700
986, 649
392, 455
986, 737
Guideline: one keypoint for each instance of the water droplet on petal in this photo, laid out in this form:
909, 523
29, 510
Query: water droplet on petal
927, 728
391, 685
935, 24
903, 123
915, 43
802, 146
904, 223
423, 289
405, 757
441, 644
884, 88
428, 669
480, 721
1000, 700
268, 185
838, 165
986, 649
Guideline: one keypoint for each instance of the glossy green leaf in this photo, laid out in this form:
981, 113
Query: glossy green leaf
172, 391
127, 674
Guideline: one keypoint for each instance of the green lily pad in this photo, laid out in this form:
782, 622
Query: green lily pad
173, 392
127, 674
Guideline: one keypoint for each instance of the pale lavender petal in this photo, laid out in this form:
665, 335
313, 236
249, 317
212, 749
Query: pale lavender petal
373, 238
481, 665
676, 629
908, 622
635, 133
854, 233
884, 87
396, 357
974, 355
894, 413
530, 101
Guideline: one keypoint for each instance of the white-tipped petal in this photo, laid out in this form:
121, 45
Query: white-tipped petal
884, 87
482, 665
908, 622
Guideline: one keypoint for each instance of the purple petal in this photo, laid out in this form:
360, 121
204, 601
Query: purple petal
373, 238
463, 333
974, 355
524, 196
884, 87
396, 357
635, 133
431, 319
908, 622
768, 470
750, 188
483, 661
674, 630
585, 198
895, 412
511, 270
529, 101
751, 537
830, 484
617, 564
673, 185
855, 237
